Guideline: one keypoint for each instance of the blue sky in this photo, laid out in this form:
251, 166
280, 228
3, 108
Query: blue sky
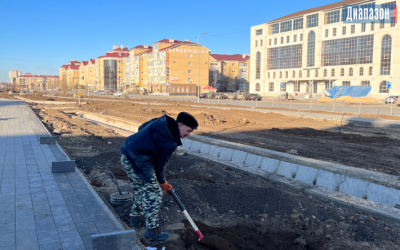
40, 36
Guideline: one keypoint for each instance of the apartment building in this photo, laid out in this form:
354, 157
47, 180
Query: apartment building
312, 50
110, 71
171, 66
229, 72
13, 75
69, 75
30, 81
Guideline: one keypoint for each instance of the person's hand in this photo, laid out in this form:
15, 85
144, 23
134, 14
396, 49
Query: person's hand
166, 186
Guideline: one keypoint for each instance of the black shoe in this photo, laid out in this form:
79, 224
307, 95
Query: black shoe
155, 234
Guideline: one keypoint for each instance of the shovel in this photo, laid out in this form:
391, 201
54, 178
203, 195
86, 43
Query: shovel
186, 214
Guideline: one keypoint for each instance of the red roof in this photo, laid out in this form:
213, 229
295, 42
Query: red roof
73, 67
115, 54
85, 63
64, 66
141, 47
235, 57
93, 61
119, 49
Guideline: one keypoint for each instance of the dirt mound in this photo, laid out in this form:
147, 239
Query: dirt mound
358, 99
205, 118
325, 99
156, 112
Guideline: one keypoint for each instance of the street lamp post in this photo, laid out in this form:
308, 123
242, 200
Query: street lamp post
198, 53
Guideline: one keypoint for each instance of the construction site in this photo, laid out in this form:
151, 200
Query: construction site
241, 204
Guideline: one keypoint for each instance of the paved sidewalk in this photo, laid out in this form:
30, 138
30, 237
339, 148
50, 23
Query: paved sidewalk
38, 209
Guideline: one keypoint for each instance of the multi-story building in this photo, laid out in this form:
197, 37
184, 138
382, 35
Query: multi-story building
229, 72
110, 71
69, 75
171, 66
312, 50
13, 75
30, 81
135, 69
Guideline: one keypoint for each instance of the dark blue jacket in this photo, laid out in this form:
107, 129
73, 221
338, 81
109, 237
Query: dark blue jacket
150, 148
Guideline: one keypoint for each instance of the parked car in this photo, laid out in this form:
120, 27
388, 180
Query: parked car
111, 92
253, 97
102, 92
232, 96
221, 95
242, 95
203, 95
211, 95
118, 94
96, 91
391, 99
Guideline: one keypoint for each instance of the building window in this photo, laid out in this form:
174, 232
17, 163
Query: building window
258, 65
257, 87
189, 79
382, 24
269, 42
308, 73
268, 75
261, 43
190, 64
351, 72
286, 74
286, 26
190, 55
275, 28
382, 87
300, 74
189, 71
328, 85
298, 24
271, 87
281, 40
372, 26
333, 72
363, 27
287, 39
332, 17
316, 73
191, 89
295, 38
259, 32
353, 29
326, 33
301, 37
348, 51
280, 74
365, 83
345, 83
370, 71
344, 30
274, 75
311, 49
342, 72
315, 90
256, 45
275, 41
312, 21
361, 71
386, 55
325, 73
293, 74
285, 57
297, 87
334, 32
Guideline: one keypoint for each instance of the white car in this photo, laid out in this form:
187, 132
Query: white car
118, 94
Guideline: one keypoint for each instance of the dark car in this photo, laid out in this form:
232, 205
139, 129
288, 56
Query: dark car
391, 99
203, 95
254, 97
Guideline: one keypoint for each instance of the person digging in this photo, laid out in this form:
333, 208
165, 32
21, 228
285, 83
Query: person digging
144, 156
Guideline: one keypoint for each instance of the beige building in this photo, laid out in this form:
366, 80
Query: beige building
69, 75
171, 66
229, 72
312, 50
13, 75
30, 81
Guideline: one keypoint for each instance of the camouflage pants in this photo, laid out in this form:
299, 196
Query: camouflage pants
147, 195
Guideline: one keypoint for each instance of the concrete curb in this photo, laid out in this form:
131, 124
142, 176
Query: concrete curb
112, 121
94, 193
372, 186
45, 102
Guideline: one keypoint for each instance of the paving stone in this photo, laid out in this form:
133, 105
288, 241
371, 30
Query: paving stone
31, 246
122, 239
87, 240
48, 140
7, 239
50, 245
106, 226
25, 224
63, 166
87, 228
26, 237
73, 244
23, 205
47, 235
67, 231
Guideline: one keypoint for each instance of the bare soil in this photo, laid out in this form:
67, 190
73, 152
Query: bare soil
361, 145
234, 210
